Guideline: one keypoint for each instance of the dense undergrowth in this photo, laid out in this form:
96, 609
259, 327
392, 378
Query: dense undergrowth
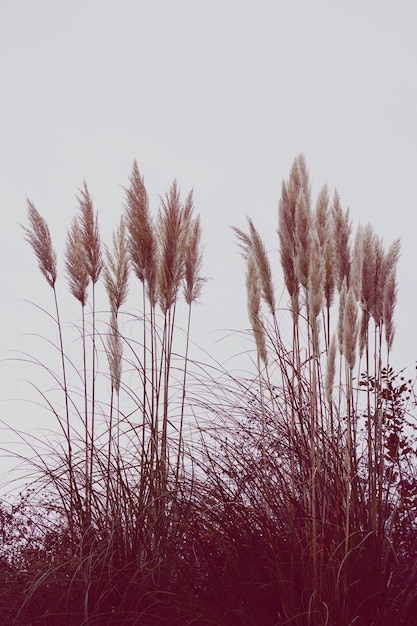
177, 493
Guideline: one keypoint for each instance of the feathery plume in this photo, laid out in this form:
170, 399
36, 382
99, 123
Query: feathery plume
253, 244
297, 187
90, 234
141, 233
173, 225
357, 263
369, 269
76, 262
363, 331
350, 328
341, 318
115, 353
392, 256
378, 293
390, 291
321, 216
323, 226
300, 198
264, 267
243, 241
389, 302
329, 272
193, 282
315, 277
116, 268
301, 178
286, 230
253, 288
341, 232
302, 239
39, 237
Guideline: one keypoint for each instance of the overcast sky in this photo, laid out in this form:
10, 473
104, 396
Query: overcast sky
221, 96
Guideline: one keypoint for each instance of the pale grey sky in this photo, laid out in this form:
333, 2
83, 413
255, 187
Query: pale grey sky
221, 96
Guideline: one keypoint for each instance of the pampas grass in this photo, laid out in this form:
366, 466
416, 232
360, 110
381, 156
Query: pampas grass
178, 492
335, 432
121, 479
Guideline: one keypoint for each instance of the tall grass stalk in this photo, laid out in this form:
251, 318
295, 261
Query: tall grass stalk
39, 237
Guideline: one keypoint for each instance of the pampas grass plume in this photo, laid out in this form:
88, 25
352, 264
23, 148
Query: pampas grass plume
389, 295
193, 281
90, 234
350, 328
253, 244
173, 224
39, 237
316, 276
253, 288
115, 353
76, 262
264, 267
302, 239
341, 318
141, 237
116, 268
341, 234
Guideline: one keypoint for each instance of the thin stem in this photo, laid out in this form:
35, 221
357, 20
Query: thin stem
67, 414
181, 424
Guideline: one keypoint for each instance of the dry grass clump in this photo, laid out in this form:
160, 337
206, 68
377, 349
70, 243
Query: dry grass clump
333, 433
117, 483
176, 492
